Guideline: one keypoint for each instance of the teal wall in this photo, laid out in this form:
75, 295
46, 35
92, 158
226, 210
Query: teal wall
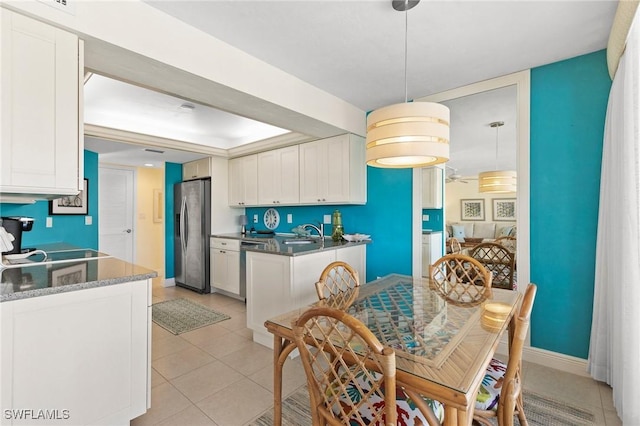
436, 219
172, 175
568, 106
66, 228
386, 217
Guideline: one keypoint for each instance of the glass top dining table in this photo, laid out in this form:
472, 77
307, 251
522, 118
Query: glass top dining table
442, 347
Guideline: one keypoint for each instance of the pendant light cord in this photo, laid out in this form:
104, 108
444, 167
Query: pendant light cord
406, 28
497, 130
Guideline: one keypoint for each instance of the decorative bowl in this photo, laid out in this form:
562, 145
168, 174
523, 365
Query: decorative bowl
473, 240
356, 237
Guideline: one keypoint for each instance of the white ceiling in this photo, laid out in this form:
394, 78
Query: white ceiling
355, 50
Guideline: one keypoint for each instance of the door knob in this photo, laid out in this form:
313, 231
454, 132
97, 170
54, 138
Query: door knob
128, 231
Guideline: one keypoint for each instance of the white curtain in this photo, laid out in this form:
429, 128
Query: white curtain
614, 354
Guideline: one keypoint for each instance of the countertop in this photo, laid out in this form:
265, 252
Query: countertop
274, 244
91, 269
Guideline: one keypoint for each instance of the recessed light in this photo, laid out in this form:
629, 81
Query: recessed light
187, 106
148, 165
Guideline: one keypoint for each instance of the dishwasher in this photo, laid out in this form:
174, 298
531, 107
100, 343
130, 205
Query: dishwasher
243, 263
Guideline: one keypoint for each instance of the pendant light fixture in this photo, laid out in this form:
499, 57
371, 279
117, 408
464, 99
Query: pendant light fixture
497, 181
409, 134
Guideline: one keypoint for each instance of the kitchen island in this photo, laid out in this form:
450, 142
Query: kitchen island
281, 274
76, 340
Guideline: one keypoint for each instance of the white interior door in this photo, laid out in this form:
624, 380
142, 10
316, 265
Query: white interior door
115, 207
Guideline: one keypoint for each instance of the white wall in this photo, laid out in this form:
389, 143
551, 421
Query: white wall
456, 191
149, 233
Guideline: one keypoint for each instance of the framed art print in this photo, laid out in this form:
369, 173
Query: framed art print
72, 204
472, 209
504, 209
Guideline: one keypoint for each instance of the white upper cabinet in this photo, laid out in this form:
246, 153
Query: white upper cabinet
432, 188
333, 171
41, 100
243, 181
278, 176
196, 169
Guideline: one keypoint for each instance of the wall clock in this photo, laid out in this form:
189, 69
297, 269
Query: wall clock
271, 219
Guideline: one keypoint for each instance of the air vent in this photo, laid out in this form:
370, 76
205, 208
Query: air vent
157, 151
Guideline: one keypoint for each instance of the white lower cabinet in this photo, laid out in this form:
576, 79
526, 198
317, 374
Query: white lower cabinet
86, 354
277, 284
431, 250
225, 265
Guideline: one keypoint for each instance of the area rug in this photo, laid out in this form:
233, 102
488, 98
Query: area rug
540, 411
182, 315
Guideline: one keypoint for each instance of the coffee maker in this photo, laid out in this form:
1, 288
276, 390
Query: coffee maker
16, 226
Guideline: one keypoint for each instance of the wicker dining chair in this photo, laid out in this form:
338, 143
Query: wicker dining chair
351, 376
460, 279
454, 245
505, 400
509, 242
500, 261
338, 285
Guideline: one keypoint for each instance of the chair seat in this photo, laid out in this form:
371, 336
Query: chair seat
491, 385
408, 412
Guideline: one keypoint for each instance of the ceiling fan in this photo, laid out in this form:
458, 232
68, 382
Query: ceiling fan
454, 176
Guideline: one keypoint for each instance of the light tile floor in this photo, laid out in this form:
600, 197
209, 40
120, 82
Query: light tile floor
217, 375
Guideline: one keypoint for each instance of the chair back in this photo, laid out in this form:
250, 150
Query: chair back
454, 245
509, 242
350, 374
460, 279
499, 260
338, 285
512, 384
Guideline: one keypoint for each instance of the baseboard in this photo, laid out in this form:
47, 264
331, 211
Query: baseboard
558, 361
169, 282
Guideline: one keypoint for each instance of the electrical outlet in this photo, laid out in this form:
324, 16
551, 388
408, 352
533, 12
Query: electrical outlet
255, 218
425, 217
49, 222
289, 218
327, 219
88, 220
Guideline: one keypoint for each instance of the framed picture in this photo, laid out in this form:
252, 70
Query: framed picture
158, 205
504, 209
72, 204
472, 209
74, 274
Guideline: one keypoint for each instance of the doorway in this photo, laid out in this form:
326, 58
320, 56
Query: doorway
116, 204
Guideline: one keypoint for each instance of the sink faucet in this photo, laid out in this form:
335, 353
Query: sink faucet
319, 229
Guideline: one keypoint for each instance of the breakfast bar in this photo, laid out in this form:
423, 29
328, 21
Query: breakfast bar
76, 337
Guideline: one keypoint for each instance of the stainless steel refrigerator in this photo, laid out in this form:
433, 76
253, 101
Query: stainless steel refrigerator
192, 226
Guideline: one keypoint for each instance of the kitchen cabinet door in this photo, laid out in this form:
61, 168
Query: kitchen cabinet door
42, 149
225, 270
196, 169
432, 188
278, 177
333, 170
243, 181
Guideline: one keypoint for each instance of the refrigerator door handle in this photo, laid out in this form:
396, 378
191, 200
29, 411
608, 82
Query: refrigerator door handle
183, 206
186, 223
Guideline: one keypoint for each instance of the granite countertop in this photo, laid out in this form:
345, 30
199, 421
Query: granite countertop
90, 269
274, 244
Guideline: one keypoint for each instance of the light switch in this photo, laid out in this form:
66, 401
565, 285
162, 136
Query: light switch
49, 222
425, 217
327, 219
289, 218
88, 220
255, 218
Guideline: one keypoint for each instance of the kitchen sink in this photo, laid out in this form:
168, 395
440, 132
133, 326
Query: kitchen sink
299, 241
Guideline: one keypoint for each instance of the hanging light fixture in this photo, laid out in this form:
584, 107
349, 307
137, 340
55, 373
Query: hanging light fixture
497, 181
409, 134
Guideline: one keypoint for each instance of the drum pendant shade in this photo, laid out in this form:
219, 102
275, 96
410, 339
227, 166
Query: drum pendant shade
407, 135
